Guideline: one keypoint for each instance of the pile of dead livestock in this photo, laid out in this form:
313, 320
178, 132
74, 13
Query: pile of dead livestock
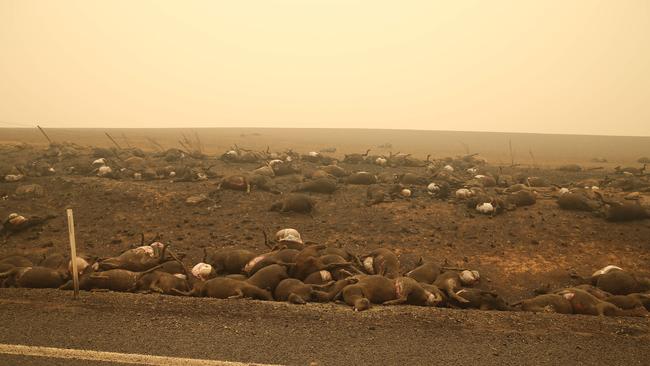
299, 179
298, 273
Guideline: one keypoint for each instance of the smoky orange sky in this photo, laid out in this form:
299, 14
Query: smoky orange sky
554, 66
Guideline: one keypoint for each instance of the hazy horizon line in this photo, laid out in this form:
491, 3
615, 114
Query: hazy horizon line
19, 126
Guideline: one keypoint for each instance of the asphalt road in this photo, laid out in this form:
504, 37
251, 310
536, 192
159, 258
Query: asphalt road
324, 334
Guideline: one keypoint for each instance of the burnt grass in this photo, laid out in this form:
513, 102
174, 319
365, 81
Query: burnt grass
515, 252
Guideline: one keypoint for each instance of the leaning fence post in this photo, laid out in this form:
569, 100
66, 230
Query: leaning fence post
73, 253
44, 134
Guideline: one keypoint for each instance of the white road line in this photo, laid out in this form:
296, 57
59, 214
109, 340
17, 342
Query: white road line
130, 358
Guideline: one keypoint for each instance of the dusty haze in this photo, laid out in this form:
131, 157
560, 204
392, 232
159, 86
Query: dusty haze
527, 149
523, 66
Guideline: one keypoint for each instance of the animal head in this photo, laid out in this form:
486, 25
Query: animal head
275, 162
13, 177
104, 170
145, 249
253, 262
464, 193
325, 276
265, 170
99, 162
236, 180
82, 264
469, 278
15, 218
433, 299
368, 265
290, 235
433, 188
568, 295
157, 245
606, 269
485, 208
202, 271
361, 304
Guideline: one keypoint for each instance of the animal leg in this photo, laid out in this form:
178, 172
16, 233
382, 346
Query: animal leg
99, 277
239, 294
353, 269
638, 311
8, 273
182, 293
605, 308
106, 266
333, 266
457, 297
399, 301
324, 285
295, 299
452, 269
155, 288
345, 272
337, 291
320, 296
356, 259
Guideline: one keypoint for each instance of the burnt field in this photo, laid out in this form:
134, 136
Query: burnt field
527, 149
463, 211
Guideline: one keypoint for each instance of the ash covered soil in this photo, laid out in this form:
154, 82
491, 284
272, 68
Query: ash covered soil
515, 251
